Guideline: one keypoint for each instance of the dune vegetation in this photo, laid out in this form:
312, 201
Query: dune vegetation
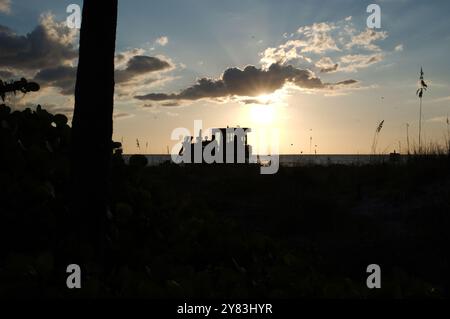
209, 231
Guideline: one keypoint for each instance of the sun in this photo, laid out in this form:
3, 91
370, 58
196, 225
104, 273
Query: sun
262, 114
263, 111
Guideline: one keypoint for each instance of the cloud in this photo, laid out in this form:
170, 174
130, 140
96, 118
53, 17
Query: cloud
5, 6
338, 40
286, 53
122, 115
49, 44
122, 58
140, 65
162, 41
62, 77
399, 48
353, 62
366, 38
170, 104
316, 38
330, 69
255, 101
49, 55
250, 82
327, 65
346, 82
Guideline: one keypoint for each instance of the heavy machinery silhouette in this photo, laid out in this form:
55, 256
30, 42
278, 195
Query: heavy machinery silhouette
231, 143
22, 86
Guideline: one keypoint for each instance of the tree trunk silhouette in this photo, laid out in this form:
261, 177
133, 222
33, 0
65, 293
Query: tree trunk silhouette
92, 123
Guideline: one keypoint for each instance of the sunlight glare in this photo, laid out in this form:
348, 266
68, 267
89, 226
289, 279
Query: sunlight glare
262, 114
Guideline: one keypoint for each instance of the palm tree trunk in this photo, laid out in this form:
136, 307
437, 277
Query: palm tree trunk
92, 123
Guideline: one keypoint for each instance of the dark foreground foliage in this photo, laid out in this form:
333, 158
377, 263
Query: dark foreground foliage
222, 231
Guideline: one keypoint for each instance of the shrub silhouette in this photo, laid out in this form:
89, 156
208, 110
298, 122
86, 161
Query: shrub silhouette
217, 232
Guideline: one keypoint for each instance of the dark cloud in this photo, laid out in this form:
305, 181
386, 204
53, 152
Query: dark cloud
170, 104
50, 49
330, 69
374, 59
251, 81
157, 97
351, 63
139, 65
346, 82
62, 77
255, 101
122, 115
46, 46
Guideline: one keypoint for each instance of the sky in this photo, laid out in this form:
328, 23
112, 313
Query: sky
306, 76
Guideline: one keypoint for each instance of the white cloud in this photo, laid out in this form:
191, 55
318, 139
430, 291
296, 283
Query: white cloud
287, 52
327, 65
353, 62
399, 48
340, 41
162, 41
317, 38
366, 38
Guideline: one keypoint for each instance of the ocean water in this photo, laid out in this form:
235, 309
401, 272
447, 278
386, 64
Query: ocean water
296, 160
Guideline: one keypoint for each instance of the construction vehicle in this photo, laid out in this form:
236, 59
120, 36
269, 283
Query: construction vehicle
227, 145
